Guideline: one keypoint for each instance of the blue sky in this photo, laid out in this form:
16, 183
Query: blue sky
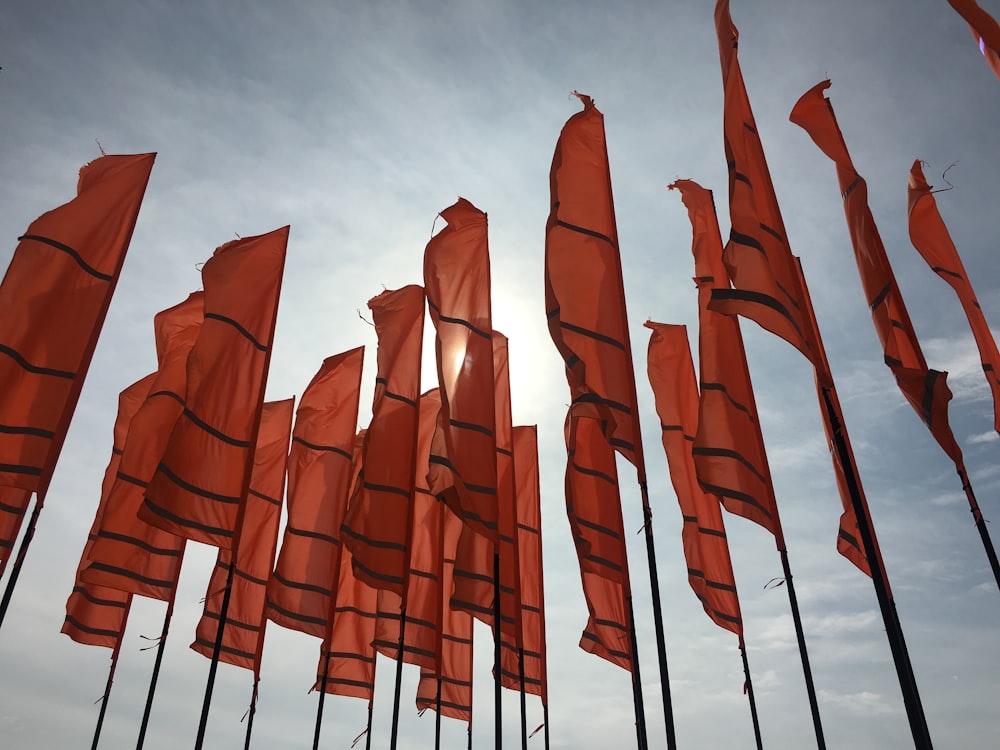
356, 124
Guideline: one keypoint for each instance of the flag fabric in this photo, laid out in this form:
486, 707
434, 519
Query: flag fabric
584, 296
379, 515
128, 554
455, 644
474, 567
706, 549
532, 590
320, 468
594, 509
758, 258
13, 505
930, 237
55, 296
728, 449
196, 490
96, 615
347, 649
457, 283
985, 31
424, 597
243, 636
926, 390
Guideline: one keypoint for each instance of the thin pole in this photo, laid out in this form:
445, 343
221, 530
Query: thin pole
800, 636
111, 678
216, 650
322, 694
22, 552
368, 731
399, 674
156, 673
545, 718
640, 711
753, 703
497, 655
251, 712
437, 717
893, 629
984, 534
524, 704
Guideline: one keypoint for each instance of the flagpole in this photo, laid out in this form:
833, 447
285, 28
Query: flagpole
753, 703
250, 713
497, 652
524, 704
398, 688
984, 534
322, 695
545, 718
156, 672
22, 552
437, 717
216, 651
334, 590
111, 677
368, 731
640, 711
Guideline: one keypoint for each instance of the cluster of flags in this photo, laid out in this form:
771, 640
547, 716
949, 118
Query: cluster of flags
400, 534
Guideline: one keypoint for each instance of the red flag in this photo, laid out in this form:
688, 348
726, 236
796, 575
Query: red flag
347, 648
96, 615
985, 30
243, 637
55, 296
129, 554
729, 449
457, 282
758, 258
926, 390
584, 297
710, 569
455, 644
930, 237
424, 593
379, 515
595, 517
319, 479
197, 489
529, 548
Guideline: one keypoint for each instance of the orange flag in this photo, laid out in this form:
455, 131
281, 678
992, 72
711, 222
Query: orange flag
455, 644
532, 590
710, 569
424, 593
129, 554
243, 637
985, 30
320, 468
347, 648
925, 389
584, 296
758, 258
96, 615
457, 282
55, 296
594, 509
379, 516
930, 237
197, 489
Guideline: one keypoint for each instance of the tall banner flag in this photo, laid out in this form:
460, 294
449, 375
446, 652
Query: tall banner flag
243, 636
985, 31
319, 479
706, 548
198, 489
759, 261
931, 239
129, 554
457, 284
55, 296
380, 514
587, 318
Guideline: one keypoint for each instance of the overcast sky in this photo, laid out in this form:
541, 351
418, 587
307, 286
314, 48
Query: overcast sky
356, 124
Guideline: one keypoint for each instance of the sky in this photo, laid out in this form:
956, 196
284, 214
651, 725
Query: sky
356, 123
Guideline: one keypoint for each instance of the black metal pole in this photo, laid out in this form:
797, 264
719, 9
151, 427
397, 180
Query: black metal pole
984, 534
545, 718
322, 694
111, 678
368, 731
640, 711
251, 712
216, 650
893, 629
497, 654
753, 703
156, 674
524, 704
800, 636
399, 676
22, 552
437, 717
